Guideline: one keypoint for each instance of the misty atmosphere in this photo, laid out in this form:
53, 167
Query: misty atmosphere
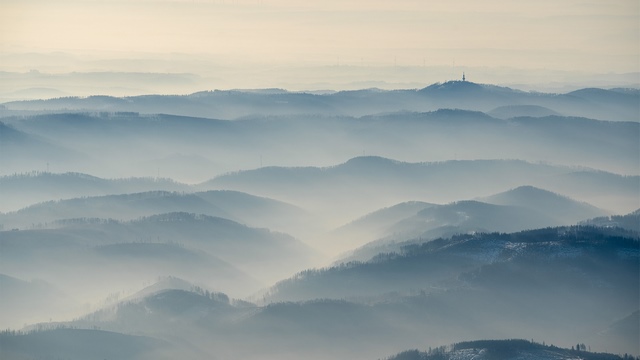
341, 180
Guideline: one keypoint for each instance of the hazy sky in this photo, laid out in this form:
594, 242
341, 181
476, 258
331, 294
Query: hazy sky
598, 36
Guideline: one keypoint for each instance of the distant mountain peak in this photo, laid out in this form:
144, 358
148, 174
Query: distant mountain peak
370, 159
466, 88
454, 85
366, 163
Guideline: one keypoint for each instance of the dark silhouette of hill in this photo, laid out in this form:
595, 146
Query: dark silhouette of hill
502, 350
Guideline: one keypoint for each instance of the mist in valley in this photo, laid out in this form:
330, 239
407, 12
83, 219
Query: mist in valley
281, 246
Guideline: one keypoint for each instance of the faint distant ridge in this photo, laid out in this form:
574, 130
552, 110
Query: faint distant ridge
546, 202
512, 111
630, 91
436, 181
38, 186
444, 116
19, 146
614, 105
607, 95
35, 93
10, 135
388, 215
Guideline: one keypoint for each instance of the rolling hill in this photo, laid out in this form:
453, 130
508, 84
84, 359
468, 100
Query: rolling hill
565, 210
523, 208
80, 256
21, 151
125, 144
248, 209
559, 285
21, 190
353, 183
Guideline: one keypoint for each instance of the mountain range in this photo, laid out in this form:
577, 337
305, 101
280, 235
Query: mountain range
572, 280
613, 104
271, 224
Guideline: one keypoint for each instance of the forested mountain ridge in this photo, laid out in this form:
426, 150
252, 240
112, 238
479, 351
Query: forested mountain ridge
420, 265
558, 275
506, 350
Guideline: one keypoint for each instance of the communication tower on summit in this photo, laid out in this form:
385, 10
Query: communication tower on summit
463, 77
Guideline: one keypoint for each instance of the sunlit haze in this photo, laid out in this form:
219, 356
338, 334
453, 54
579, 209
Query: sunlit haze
320, 180
308, 45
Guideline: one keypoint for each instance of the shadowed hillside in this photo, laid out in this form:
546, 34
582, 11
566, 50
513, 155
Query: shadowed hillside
560, 285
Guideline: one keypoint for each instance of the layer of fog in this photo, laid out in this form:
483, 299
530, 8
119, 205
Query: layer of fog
101, 197
50, 75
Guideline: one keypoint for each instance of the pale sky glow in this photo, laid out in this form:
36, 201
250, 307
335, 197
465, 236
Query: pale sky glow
595, 36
